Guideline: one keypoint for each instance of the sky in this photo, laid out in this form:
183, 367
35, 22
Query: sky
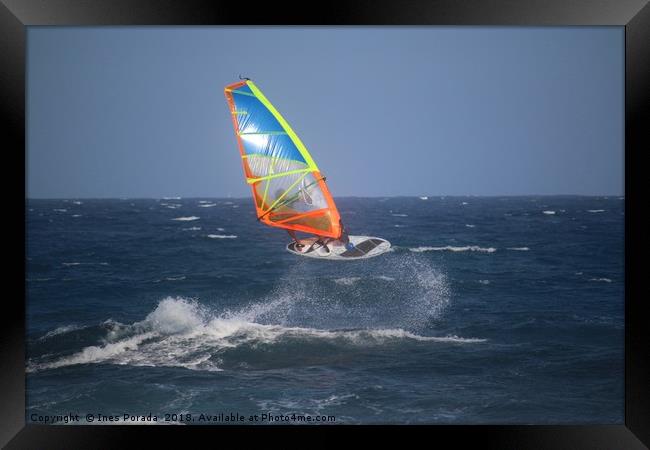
140, 112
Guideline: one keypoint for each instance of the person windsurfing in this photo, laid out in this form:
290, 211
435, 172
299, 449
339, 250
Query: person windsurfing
323, 241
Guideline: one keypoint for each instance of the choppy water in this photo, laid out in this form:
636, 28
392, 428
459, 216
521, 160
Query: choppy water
489, 310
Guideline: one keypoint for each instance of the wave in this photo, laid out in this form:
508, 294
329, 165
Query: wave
399, 215
424, 198
549, 212
470, 225
519, 249
207, 205
347, 281
60, 330
222, 236
186, 219
68, 264
605, 280
449, 248
180, 332
192, 229
595, 210
60, 210
178, 278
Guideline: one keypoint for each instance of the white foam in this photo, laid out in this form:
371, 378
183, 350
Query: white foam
85, 263
399, 215
172, 206
424, 198
385, 278
519, 249
605, 280
181, 277
205, 201
221, 229
59, 330
77, 203
398, 226
449, 248
76, 215
180, 332
549, 213
464, 203
484, 281
186, 219
347, 281
469, 225
60, 210
171, 198
595, 210
207, 205
191, 229
222, 236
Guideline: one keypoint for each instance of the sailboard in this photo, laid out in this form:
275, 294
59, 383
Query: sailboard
288, 189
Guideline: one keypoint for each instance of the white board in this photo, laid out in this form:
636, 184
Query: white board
364, 247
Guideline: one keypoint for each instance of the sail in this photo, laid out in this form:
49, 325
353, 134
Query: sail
288, 189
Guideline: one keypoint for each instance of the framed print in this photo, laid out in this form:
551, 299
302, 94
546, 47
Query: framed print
379, 217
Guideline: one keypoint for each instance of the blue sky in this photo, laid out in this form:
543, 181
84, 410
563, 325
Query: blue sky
140, 111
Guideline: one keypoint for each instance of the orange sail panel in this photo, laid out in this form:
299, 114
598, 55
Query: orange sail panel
288, 189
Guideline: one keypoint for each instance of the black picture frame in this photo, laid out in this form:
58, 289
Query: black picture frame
634, 15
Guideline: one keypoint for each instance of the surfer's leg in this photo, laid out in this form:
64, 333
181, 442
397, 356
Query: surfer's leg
296, 241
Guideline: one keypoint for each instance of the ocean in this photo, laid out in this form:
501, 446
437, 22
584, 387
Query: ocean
488, 310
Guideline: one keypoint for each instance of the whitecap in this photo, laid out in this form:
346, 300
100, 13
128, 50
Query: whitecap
186, 219
519, 249
424, 198
605, 280
469, 225
207, 205
181, 333
449, 248
60, 330
222, 236
347, 281
595, 210
549, 213
399, 215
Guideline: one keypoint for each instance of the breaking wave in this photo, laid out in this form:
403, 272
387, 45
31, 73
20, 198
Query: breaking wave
181, 332
186, 219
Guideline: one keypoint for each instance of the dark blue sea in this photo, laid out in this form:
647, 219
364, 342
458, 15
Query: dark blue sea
488, 310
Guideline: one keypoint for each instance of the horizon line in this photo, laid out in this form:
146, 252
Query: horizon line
179, 197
